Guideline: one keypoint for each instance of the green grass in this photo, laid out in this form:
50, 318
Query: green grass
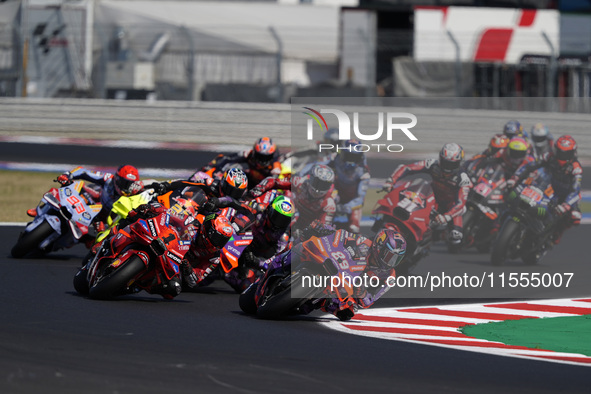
23, 190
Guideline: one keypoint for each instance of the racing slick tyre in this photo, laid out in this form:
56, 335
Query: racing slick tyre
81, 281
506, 239
280, 299
29, 242
112, 282
246, 300
468, 222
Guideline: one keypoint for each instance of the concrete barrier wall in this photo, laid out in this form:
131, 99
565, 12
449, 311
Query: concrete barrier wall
242, 123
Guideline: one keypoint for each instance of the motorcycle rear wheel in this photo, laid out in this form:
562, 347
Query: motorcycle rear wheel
115, 282
507, 237
29, 242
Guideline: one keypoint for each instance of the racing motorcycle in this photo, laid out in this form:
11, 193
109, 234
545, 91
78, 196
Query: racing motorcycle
528, 224
408, 208
63, 219
232, 262
119, 211
483, 208
145, 254
292, 287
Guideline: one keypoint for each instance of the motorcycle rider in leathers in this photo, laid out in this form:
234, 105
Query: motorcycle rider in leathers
566, 177
270, 235
258, 163
382, 255
124, 182
203, 256
450, 184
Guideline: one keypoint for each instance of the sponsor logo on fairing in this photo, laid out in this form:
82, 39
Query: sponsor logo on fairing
174, 257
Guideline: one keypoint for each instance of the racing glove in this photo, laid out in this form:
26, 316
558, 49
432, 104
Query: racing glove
211, 204
561, 209
441, 219
159, 188
64, 179
189, 276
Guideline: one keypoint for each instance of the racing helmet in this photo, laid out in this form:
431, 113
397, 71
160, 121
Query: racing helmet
387, 249
217, 230
127, 181
279, 213
565, 150
234, 183
350, 154
451, 158
263, 152
331, 137
320, 181
539, 135
516, 150
513, 129
497, 144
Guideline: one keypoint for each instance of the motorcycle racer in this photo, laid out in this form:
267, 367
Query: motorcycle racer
258, 163
541, 140
222, 193
451, 186
495, 150
313, 196
566, 175
203, 255
270, 232
124, 182
382, 255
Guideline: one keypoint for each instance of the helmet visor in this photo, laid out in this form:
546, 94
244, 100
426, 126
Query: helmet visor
565, 155
449, 166
232, 191
263, 159
126, 187
517, 155
352, 157
389, 258
278, 220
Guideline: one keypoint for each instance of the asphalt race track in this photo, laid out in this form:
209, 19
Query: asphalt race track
55, 341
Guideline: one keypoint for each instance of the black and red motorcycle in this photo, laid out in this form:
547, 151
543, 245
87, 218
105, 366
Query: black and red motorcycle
484, 206
144, 255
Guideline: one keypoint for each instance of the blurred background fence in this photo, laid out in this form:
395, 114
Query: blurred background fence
269, 51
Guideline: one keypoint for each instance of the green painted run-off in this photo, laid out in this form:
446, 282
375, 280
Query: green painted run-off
570, 334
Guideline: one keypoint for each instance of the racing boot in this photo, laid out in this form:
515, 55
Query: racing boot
32, 212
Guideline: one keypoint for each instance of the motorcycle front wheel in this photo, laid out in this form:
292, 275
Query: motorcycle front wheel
112, 283
280, 299
246, 300
506, 239
29, 242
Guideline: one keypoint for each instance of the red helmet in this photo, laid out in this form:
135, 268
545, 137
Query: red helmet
497, 143
127, 181
234, 183
263, 152
217, 230
565, 150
